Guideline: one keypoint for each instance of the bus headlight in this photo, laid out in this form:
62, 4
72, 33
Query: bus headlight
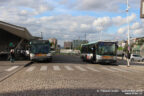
99, 57
32, 55
49, 54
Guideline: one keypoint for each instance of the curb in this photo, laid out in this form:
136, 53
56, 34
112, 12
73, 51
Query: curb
12, 73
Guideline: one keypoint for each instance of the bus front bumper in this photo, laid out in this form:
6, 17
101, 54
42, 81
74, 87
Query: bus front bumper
41, 58
106, 61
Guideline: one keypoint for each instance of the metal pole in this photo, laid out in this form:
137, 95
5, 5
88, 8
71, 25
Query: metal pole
127, 11
41, 35
85, 36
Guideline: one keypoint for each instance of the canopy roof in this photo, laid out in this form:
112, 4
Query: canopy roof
16, 30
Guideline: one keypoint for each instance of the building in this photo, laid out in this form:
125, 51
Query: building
122, 43
68, 45
53, 42
77, 43
12, 36
138, 46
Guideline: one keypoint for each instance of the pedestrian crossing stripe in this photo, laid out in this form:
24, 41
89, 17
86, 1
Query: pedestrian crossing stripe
108, 69
43, 68
119, 69
80, 68
132, 70
69, 68
92, 69
12, 68
30, 69
56, 68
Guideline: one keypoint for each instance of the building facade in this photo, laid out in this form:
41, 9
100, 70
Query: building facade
77, 43
53, 42
68, 45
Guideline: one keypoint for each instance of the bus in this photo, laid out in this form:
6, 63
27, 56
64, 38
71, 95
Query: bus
99, 52
40, 50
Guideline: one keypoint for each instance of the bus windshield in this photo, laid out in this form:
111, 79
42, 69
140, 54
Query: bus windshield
106, 48
40, 48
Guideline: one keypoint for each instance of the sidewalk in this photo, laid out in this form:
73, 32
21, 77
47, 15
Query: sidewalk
17, 63
7, 68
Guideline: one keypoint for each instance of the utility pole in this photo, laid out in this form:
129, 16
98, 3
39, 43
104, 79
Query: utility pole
127, 11
85, 36
41, 35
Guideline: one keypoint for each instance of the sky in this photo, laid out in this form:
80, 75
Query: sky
69, 20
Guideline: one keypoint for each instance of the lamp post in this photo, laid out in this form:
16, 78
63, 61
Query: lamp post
128, 55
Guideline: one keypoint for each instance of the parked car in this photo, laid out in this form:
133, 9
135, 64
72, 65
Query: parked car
135, 57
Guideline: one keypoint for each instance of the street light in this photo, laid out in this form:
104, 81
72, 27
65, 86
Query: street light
127, 11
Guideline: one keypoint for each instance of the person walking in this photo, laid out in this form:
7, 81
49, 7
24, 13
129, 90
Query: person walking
12, 56
122, 56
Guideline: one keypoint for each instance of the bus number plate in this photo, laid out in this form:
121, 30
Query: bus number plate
40, 54
107, 57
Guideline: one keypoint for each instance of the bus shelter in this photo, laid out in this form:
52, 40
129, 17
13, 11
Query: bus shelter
12, 36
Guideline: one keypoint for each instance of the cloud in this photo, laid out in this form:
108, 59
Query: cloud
122, 30
136, 25
100, 5
38, 6
29, 14
65, 27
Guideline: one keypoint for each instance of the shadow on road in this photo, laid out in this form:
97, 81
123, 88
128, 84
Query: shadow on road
69, 92
69, 59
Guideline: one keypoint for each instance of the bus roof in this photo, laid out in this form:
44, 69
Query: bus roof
39, 42
90, 43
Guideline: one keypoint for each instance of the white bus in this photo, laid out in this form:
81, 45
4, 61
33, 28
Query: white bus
99, 52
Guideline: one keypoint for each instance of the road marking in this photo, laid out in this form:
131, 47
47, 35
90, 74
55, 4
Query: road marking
90, 68
132, 70
69, 68
119, 69
80, 68
30, 69
43, 68
56, 68
12, 68
108, 69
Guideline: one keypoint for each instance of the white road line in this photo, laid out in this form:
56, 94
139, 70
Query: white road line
92, 69
69, 68
43, 68
30, 69
119, 69
56, 68
132, 70
80, 68
12, 68
108, 69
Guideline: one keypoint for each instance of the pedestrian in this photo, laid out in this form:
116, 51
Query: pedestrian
12, 56
128, 58
122, 56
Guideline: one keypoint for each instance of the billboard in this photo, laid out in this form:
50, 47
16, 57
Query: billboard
142, 9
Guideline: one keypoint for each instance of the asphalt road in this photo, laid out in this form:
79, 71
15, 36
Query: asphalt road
69, 76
